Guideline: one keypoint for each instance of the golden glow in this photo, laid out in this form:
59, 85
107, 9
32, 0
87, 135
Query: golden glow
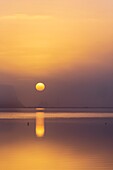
42, 156
52, 40
40, 129
40, 86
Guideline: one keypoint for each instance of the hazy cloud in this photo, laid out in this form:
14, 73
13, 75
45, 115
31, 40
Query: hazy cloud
25, 17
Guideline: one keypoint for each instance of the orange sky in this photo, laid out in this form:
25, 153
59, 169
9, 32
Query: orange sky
67, 44
44, 37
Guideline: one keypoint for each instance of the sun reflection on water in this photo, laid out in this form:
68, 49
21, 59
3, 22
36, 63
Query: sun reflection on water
40, 128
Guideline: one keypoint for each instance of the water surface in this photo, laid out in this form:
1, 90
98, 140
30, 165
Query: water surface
40, 140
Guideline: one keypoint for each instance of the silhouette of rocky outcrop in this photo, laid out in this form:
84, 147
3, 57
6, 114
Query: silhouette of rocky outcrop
8, 97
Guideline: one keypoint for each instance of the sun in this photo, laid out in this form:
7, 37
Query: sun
40, 86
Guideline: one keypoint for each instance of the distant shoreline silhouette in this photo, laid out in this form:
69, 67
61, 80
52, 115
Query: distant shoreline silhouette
8, 97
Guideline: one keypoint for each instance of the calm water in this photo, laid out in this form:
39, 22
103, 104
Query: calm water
56, 140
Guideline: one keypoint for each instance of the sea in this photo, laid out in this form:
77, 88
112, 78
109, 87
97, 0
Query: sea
56, 139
